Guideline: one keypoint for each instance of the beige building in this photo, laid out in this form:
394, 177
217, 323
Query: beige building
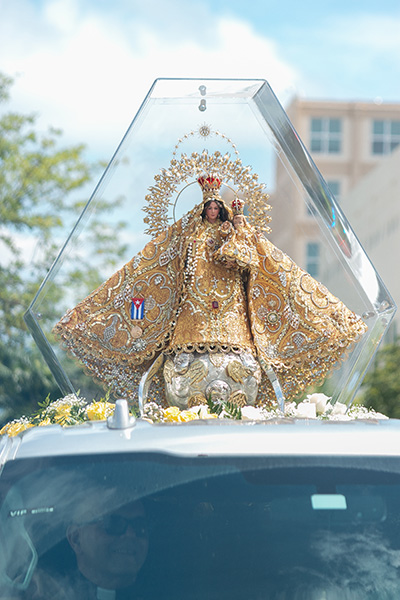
347, 141
373, 208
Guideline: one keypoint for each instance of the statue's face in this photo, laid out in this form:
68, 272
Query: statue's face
238, 221
212, 212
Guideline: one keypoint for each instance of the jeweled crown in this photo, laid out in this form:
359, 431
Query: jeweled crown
237, 206
209, 183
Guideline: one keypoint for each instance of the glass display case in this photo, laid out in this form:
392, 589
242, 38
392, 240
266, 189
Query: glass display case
220, 122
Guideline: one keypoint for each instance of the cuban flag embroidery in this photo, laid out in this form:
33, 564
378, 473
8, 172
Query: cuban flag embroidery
137, 309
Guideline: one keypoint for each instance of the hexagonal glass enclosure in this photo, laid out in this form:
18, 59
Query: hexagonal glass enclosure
235, 130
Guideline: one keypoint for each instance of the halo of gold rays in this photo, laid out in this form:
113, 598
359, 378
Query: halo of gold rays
204, 131
188, 169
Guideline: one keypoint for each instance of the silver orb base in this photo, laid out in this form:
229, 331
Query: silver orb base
192, 378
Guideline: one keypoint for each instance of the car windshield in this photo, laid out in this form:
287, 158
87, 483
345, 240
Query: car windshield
158, 526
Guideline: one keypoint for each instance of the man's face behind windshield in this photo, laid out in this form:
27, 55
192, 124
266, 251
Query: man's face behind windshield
111, 550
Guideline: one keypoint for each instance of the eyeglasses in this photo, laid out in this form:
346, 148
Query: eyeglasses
118, 525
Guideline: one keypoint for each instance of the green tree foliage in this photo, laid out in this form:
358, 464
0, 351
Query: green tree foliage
381, 387
41, 183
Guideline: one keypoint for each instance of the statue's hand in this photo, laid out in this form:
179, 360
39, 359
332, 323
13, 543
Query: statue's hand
226, 227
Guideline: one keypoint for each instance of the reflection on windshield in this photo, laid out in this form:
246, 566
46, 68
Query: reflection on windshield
162, 527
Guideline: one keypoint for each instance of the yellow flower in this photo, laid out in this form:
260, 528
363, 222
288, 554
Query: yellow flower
46, 421
99, 411
4, 429
15, 428
63, 411
187, 415
172, 414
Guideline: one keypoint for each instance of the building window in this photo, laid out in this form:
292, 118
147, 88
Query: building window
385, 136
334, 187
326, 135
312, 258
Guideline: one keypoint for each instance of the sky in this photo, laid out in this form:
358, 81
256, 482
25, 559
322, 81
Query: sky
86, 65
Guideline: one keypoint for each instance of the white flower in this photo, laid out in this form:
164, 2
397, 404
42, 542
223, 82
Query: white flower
251, 413
340, 417
320, 401
153, 411
361, 412
290, 409
306, 410
202, 411
339, 409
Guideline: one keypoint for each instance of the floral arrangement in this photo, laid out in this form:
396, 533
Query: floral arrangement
314, 406
72, 410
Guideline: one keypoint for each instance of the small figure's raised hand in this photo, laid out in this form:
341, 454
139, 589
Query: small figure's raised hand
226, 227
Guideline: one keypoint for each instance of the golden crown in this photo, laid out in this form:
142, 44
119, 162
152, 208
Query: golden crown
237, 206
210, 183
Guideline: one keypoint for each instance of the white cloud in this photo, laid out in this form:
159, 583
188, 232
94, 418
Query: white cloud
62, 15
84, 73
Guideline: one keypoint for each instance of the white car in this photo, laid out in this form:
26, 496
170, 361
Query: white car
281, 509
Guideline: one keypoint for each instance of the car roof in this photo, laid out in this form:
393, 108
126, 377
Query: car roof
277, 437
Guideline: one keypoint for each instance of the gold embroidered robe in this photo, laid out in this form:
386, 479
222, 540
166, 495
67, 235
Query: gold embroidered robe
264, 304
212, 313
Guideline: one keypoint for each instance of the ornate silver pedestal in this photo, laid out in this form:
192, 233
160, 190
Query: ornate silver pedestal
192, 378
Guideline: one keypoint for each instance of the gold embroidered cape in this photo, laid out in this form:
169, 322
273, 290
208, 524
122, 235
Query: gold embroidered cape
210, 288
299, 328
